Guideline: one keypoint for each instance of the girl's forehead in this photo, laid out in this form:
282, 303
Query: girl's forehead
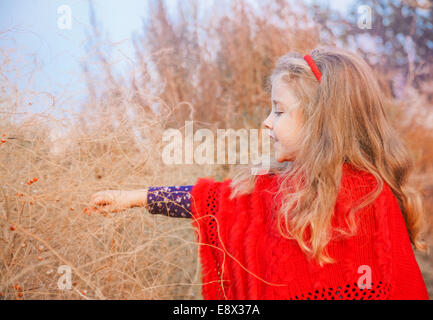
281, 92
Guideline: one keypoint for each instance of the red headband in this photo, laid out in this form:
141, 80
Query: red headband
313, 66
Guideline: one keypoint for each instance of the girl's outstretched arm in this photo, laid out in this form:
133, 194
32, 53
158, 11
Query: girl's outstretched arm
173, 201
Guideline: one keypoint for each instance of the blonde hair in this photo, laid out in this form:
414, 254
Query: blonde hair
344, 121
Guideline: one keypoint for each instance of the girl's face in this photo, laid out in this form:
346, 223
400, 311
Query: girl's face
284, 121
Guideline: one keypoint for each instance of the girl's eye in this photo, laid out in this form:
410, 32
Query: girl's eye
277, 113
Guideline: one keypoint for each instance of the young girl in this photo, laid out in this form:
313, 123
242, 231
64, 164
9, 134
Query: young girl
334, 217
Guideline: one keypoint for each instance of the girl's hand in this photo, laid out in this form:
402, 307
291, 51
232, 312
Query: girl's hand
111, 201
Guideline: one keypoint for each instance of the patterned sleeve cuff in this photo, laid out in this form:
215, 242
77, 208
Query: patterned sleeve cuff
173, 201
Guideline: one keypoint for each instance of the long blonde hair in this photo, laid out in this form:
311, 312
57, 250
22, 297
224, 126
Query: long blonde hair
344, 121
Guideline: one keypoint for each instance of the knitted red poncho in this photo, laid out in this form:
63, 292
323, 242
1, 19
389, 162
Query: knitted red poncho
243, 255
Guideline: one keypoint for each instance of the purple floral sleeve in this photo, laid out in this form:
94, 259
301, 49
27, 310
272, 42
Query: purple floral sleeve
172, 201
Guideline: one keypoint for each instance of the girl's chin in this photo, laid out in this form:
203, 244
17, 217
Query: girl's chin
282, 157
278, 157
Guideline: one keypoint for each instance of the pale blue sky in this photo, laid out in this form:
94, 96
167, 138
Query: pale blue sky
32, 33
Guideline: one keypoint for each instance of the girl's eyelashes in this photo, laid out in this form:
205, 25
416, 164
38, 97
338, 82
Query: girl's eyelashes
277, 113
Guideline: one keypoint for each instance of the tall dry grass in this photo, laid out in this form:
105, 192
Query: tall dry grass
211, 72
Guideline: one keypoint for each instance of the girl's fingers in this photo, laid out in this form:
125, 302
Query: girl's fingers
101, 210
100, 201
106, 211
94, 209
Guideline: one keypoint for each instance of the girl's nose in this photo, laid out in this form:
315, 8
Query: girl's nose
268, 123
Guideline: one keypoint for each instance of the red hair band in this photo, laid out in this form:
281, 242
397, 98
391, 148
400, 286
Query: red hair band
313, 67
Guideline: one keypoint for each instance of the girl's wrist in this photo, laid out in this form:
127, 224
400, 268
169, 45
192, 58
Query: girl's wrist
137, 198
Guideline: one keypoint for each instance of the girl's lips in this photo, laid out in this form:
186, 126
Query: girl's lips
273, 137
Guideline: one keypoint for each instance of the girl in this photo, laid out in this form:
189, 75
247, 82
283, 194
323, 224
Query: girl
334, 217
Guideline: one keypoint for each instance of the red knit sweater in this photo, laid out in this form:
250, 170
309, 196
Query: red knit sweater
243, 255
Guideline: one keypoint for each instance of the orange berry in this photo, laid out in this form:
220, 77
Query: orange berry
35, 179
12, 228
3, 140
4, 135
74, 283
31, 202
20, 294
72, 209
17, 287
39, 258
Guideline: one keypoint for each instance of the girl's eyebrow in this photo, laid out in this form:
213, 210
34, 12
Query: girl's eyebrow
276, 101
280, 104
